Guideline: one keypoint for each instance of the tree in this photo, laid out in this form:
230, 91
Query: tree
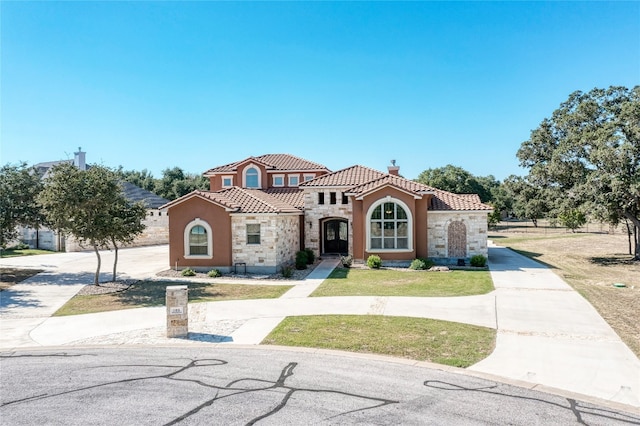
19, 187
572, 219
90, 205
587, 155
126, 224
143, 179
175, 183
459, 181
529, 201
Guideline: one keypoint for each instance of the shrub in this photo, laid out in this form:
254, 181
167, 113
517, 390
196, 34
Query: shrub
188, 272
421, 264
287, 271
214, 273
311, 256
374, 261
347, 261
301, 260
19, 246
478, 261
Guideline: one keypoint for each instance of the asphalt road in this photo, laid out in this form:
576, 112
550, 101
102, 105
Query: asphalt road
245, 386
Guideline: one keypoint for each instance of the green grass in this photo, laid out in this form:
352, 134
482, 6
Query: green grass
25, 252
371, 282
153, 293
442, 342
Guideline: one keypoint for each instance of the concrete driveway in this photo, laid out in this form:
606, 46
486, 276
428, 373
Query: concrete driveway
548, 335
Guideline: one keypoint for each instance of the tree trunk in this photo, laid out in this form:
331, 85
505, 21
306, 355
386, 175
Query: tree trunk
535, 222
636, 234
96, 279
629, 234
115, 260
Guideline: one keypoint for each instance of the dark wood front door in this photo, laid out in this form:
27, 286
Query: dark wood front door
336, 237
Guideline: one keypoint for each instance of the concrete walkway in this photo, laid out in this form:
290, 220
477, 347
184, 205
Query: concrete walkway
547, 333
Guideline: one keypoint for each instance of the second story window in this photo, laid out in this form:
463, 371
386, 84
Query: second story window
320, 197
278, 180
293, 180
332, 198
251, 178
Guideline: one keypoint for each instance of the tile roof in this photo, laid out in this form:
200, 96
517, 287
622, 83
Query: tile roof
443, 200
396, 181
275, 162
351, 176
291, 196
241, 200
135, 193
361, 180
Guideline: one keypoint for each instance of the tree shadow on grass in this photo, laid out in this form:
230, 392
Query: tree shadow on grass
533, 256
614, 260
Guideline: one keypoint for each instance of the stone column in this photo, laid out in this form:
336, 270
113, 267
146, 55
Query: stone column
177, 311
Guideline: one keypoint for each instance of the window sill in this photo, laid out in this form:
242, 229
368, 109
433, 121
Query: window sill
370, 250
197, 256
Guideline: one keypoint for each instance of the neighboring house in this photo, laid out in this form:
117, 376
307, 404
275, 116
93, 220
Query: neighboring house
156, 223
261, 210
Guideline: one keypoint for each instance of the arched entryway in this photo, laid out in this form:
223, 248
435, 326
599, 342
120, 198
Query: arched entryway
457, 240
335, 236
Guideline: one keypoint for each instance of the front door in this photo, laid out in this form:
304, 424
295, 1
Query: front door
336, 237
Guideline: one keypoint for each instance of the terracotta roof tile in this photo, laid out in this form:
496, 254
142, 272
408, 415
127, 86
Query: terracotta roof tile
443, 200
351, 176
241, 200
291, 196
397, 181
276, 162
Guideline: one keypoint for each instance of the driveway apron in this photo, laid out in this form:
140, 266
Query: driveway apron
548, 334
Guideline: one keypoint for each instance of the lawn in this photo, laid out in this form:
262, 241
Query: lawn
443, 342
591, 262
23, 252
153, 293
394, 282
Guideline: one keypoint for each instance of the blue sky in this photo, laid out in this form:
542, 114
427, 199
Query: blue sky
161, 84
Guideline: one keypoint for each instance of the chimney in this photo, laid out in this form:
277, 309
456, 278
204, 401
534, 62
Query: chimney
393, 169
79, 159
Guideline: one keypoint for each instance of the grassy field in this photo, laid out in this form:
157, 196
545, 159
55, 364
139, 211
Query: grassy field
443, 342
382, 282
591, 262
153, 293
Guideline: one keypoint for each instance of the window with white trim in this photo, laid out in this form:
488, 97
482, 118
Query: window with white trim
294, 180
389, 227
252, 178
198, 240
278, 180
253, 233
227, 181
308, 177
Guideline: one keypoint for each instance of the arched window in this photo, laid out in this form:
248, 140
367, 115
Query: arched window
251, 178
198, 241
389, 226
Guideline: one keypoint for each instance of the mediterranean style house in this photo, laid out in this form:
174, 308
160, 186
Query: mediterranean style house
261, 210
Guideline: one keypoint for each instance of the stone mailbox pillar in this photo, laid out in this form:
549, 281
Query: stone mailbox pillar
177, 311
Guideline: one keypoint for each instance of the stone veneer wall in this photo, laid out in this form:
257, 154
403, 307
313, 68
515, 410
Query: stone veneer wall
156, 232
279, 240
438, 222
314, 213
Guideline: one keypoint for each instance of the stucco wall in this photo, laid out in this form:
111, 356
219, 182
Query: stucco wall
315, 213
438, 223
279, 240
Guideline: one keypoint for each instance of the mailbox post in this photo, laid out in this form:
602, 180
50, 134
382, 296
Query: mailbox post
177, 311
